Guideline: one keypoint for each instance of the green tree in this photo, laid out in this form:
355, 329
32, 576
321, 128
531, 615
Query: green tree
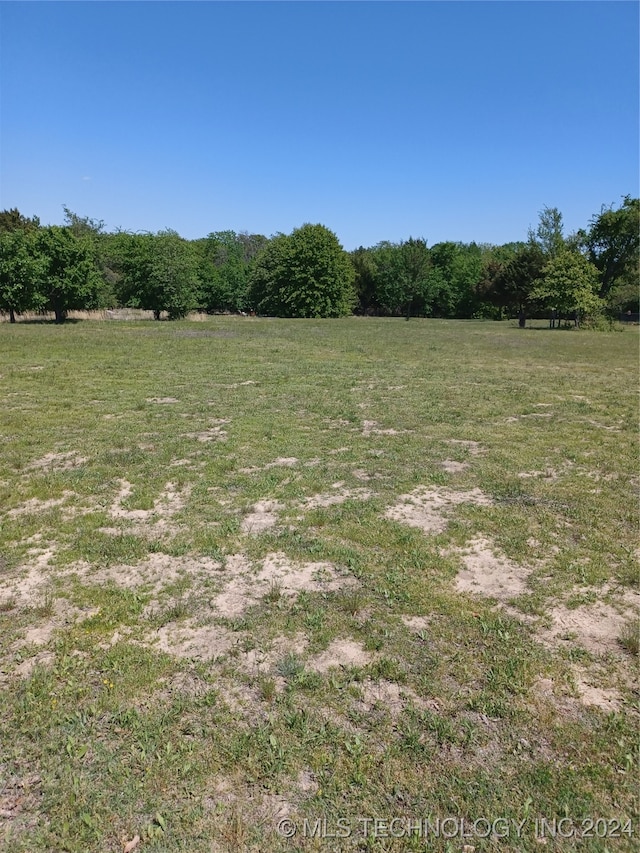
513, 285
548, 236
70, 279
13, 220
569, 283
82, 226
403, 277
613, 245
225, 263
415, 269
174, 282
365, 282
92, 231
304, 274
494, 260
129, 258
459, 268
21, 271
156, 272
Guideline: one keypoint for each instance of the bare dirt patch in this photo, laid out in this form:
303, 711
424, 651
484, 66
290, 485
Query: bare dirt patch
162, 400
547, 474
371, 428
263, 515
64, 613
20, 799
489, 574
168, 503
428, 508
245, 586
42, 658
280, 462
266, 660
57, 462
393, 697
197, 642
307, 782
215, 432
338, 496
453, 467
27, 590
607, 699
155, 572
474, 448
595, 627
361, 474
416, 623
340, 653
36, 505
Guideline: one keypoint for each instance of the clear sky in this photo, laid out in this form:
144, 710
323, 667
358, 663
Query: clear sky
442, 120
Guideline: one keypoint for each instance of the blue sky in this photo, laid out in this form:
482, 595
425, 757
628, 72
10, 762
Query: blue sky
448, 121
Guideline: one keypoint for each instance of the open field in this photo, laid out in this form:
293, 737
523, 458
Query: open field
259, 570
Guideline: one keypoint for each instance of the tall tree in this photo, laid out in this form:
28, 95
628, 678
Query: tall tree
92, 231
225, 259
173, 282
613, 244
403, 277
13, 220
304, 274
569, 283
21, 271
548, 234
364, 265
513, 286
70, 279
157, 272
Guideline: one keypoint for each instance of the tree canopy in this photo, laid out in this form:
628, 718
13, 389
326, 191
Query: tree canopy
613, 245
307, 273
304, 274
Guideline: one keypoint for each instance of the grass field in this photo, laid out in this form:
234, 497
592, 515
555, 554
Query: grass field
353, 582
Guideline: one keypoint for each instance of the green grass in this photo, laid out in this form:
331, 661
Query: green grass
122, 530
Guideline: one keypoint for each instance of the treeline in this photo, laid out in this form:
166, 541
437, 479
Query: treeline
81, 266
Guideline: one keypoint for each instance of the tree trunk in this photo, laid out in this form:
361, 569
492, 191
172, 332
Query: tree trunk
61, 315
156, 315
12, 315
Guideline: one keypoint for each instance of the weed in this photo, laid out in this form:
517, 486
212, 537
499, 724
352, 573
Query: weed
8, 604
275, 592
268, 689
46, 604
352, 601
629, 639
290, 666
